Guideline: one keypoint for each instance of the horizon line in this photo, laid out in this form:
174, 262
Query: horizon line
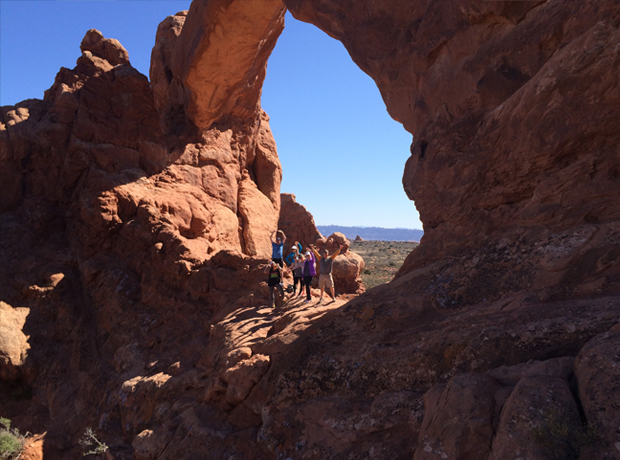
363, 226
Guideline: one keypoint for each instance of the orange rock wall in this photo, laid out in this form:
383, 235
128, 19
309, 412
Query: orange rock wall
136, 219
120, 238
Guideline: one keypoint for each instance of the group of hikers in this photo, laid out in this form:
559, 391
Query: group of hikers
303, 265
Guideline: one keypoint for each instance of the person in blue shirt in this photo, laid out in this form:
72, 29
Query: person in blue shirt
277, 247
295, 251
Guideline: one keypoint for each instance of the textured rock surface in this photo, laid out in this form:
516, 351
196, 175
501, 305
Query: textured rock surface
525, 411
236, 38
13, 343
110, 230
296, 222
482, 87
135, 222
597, 368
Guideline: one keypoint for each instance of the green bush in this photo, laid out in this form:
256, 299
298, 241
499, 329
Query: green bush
11, 441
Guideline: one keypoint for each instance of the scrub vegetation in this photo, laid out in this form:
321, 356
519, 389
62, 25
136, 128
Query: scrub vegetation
11, 441
382, 259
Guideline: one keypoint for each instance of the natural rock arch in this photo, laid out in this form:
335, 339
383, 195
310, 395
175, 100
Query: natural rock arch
477, 85
212, 65
128, 258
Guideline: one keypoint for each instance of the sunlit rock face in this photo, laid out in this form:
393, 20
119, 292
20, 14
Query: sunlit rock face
210, 64
112, 227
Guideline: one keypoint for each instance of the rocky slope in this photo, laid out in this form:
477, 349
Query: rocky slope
136, 219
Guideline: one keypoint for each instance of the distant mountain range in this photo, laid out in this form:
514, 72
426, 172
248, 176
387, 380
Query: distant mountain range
373, 233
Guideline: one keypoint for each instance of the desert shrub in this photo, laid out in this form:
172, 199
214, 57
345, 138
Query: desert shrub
11, 441
91, 444
382, 259
560, 439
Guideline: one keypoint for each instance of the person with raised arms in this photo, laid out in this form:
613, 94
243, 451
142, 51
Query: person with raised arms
295, 251
326, 265
277, 246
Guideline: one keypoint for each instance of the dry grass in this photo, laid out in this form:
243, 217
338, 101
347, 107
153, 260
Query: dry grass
382, 258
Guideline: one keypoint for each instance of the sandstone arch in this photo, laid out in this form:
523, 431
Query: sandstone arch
481, 86
514, 169
212, 64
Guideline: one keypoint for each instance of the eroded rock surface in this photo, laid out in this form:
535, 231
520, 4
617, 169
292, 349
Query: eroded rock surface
296, 222
511, 105
13, 343
234, 38
136, 220
119, 240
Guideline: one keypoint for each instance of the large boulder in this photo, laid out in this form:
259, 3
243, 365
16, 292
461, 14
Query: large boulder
348, 265
597, 370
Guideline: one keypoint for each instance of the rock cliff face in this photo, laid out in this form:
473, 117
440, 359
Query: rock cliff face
135, 223
512, 107
110, 229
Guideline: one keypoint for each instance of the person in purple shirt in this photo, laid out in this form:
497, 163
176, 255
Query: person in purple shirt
308, 271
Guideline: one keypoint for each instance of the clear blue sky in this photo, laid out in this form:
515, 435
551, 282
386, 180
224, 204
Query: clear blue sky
341, 153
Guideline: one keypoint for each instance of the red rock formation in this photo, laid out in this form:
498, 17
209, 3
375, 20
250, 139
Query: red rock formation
135, 222
236, 38
481, 86
348, 266
111, 230
512, 108
296, 222
14, 344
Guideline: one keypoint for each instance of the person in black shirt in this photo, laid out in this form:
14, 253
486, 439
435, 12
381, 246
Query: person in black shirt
274, 281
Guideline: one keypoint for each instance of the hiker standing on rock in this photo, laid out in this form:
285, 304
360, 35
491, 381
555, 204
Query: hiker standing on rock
295, 251
274, 281
326, 264
277, 247
298, 274
308, 272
